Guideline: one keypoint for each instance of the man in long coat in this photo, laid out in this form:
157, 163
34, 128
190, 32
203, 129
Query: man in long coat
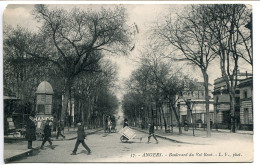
30, 131
80, 139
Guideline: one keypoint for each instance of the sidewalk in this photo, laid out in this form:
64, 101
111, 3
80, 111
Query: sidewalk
18, 148
200, 138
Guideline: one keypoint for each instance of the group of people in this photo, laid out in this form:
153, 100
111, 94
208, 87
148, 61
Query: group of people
110, 124
31, 135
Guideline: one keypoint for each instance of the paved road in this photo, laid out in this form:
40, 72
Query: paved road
105, 148
108, 148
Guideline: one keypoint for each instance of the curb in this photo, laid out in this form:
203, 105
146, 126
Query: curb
163, 137
16, 157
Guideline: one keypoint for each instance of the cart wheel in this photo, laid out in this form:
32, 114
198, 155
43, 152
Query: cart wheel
123, 139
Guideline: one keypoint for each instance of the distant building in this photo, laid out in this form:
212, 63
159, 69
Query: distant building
222, 102
197, 105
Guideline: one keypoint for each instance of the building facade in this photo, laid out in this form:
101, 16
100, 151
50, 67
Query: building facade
246, 103
222, 102
197, 112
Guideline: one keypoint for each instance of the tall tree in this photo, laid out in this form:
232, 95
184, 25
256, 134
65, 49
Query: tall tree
90, 86
189, 38
157, 82
73, 40
226, 23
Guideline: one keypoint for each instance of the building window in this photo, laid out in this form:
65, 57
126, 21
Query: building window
245, 94
202, 93
246, 116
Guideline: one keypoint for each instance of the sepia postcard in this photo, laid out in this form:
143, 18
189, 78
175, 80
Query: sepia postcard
128, 83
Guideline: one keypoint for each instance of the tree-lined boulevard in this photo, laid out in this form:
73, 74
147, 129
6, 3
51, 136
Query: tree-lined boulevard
64, 71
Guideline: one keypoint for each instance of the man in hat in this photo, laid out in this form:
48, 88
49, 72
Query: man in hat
151, 133
30, 131
80, 139
59, 131
125, 123
47, 134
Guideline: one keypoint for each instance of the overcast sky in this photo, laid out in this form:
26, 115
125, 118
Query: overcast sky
143, 15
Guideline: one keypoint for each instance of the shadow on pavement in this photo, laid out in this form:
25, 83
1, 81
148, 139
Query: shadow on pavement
35, 151
83, 152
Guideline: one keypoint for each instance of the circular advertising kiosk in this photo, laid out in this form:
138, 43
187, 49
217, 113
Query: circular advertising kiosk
44, 95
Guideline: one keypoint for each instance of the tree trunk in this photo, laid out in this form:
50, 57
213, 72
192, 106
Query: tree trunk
177, 116
66, 99
216, 115
64, 106
70, 108
171, 120
160, 113
206, 85
156, 118
232, 112
164, 120
83, 114
152, 121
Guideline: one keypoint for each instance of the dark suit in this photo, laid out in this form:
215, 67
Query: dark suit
30, 132
125, 124
151, 133
80, 139
47, 135
59, 132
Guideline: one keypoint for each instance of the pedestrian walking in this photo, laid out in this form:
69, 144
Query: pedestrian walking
151, 133
106, 125
59, 129
125, 123
47, 135
186, 126
109, 124
80, 139
211, 124
30, 131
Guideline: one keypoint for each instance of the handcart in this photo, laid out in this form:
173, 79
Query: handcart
127, 134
